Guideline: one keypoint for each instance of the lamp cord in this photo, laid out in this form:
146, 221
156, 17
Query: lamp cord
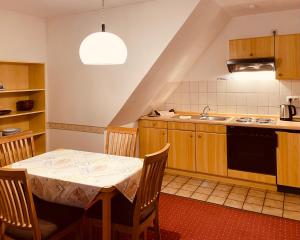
102, 16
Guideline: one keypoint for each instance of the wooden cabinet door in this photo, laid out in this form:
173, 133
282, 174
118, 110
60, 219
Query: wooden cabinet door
251, 48
288, 56
240, 48
211, 153
182, 150
151, 140
262, 47
288, 159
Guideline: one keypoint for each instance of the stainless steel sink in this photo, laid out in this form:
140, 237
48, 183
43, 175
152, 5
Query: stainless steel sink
203, 118
210, 118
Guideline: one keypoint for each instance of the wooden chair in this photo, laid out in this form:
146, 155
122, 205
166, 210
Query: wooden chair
121, 141
135, 218
21, 219
17, 147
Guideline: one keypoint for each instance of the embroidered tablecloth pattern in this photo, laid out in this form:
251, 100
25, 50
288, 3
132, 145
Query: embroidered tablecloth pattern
75, 178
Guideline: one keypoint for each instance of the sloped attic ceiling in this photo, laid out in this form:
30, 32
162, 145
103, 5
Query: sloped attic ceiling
194, 37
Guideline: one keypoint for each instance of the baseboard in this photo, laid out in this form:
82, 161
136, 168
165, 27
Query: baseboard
224, 179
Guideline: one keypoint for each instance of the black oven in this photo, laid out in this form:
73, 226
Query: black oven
252, 149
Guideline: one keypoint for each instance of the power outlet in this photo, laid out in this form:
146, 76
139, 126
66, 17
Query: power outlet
292, 98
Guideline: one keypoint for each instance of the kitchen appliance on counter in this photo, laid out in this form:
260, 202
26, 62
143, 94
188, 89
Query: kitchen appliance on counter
252, 149
251, 120
287, 111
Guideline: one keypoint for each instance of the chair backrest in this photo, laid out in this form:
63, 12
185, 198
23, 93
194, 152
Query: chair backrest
16, 201
151, 181
121, 141
17, 147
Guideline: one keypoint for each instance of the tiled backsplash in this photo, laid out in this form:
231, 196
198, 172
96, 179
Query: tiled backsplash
245, 93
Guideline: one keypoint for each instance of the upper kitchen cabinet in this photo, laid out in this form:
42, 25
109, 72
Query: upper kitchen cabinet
260, 47
288, 57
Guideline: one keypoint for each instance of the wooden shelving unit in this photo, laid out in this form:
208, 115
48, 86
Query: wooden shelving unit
21, 90
24, 81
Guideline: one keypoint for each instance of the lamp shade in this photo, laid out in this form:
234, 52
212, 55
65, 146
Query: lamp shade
103, 48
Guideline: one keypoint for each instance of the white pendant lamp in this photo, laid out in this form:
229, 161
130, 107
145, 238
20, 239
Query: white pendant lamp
103, 48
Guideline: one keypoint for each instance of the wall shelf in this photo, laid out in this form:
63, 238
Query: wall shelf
16, 114
21, 90
24, 81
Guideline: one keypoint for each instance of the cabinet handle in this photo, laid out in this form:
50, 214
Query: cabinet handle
251, 54
191, 136
280, 74
199, 136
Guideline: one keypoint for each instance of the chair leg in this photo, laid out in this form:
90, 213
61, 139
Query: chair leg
156, 227
2, 230
115, 235
90, 231
135, 236
82, 232
84, 228
145, 234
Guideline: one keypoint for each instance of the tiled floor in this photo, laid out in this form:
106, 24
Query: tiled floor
256, 200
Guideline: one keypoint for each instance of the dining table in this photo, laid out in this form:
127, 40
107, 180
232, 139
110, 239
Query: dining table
80, 179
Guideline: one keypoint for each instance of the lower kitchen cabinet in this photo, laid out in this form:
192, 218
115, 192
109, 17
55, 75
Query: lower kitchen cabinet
182, 150
151, 140
288, 159
211, 153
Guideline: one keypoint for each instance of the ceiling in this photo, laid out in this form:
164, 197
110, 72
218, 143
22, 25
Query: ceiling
51, 8
247, 7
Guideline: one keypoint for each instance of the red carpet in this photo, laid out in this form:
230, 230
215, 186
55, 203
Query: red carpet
187, 219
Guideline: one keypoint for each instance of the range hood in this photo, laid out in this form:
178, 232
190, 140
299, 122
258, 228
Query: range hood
251, 65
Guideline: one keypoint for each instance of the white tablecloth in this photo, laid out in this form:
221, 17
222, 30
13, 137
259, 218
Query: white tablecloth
75, 178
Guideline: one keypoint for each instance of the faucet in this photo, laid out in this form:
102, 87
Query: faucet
204, 112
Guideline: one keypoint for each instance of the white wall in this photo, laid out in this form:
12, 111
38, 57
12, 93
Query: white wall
253, 93
23, 37
75, 140
194, 37
92, 95
101, 90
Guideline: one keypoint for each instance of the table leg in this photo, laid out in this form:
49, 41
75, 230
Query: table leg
106, 221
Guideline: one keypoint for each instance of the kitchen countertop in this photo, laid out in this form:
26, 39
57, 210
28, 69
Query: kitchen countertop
231, 121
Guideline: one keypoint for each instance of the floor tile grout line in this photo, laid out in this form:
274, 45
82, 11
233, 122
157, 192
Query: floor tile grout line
209, 195
228, 194
264, 202
246, 198
181, 185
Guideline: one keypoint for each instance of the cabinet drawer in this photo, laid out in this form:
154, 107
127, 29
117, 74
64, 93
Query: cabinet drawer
212, 128
153, 124
182, 126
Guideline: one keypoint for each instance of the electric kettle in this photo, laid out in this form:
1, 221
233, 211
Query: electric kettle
287, 111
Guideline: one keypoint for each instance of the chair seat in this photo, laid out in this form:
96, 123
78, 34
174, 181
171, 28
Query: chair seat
52, 218
122, 211
47, 229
